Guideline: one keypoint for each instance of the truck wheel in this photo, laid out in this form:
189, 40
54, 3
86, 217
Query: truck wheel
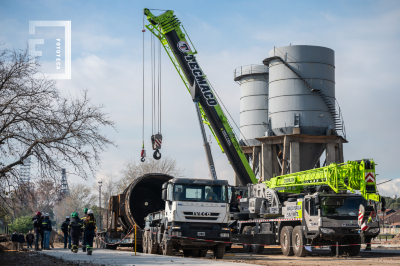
219, 251
144, 242
168, 249
341, 249
247, 231
299, 242
194, 253
353, 250
257, 248
153, 246
286, 241
355, 247
203, 253
186, 253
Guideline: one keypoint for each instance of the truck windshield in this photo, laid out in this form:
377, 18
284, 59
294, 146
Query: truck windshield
340, 206
200, 193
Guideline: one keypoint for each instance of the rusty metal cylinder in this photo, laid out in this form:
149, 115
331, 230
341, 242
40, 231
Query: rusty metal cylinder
141, 197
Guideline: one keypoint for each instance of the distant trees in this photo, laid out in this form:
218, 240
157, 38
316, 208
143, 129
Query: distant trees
22, 224
392, 203
37, 122
134, 169
80, 196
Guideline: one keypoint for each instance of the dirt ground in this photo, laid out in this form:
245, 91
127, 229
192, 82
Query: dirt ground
32, 258
273, 256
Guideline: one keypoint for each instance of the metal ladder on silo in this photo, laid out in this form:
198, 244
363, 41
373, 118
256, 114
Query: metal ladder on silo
336, 114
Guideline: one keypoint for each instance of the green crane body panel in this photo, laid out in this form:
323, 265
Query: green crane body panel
353, 175
168, 30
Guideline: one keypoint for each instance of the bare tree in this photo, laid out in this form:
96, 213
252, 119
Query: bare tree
134, 169
109, 188
36, 121
80, 196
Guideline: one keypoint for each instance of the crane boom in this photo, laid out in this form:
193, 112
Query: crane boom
352, 175
172, 35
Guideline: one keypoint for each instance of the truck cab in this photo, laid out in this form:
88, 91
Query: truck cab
195, 210
331, 218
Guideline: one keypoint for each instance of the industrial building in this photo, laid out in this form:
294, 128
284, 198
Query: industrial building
289, 115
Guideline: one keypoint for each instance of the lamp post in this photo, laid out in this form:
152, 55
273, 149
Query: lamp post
100, 183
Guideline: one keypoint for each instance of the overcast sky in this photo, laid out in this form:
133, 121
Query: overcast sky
107, 61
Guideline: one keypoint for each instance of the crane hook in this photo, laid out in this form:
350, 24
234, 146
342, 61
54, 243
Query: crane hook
143, 154
157, 154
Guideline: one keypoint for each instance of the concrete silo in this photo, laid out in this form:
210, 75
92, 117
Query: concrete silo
304, 119
253, 81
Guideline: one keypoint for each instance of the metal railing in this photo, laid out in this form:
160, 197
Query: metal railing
250, 69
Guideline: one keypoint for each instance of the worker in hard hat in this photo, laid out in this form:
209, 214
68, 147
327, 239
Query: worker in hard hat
47, 231
64, 229
75, 230
90, 228
85, 210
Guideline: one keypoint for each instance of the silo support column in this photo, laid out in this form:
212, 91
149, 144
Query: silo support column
267, 162
294, 157
277, 171
330, 153
286, 147
340, 151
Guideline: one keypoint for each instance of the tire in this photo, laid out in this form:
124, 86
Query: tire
153, 245
257, 248
186, 253
144, 242
341, 250
240, 216
299, 242
203, 253
286, 241
219, 251
246, 231
353, 250
168, 249
194, 253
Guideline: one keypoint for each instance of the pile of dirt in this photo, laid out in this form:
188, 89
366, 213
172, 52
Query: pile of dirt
3, 248
396, 239
5, 237
6, 245
58, 238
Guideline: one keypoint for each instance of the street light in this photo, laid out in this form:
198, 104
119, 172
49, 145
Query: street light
100, 183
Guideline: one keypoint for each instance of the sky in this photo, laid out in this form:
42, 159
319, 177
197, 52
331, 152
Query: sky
107, 52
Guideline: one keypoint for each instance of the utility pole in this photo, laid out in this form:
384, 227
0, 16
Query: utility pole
100, 203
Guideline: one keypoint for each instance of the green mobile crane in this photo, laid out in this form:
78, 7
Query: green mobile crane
296, 210
173, 37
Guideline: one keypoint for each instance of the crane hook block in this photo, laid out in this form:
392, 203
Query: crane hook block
156, 141
143, 154
157, 155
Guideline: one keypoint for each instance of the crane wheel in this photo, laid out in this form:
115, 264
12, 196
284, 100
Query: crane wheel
286, 241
